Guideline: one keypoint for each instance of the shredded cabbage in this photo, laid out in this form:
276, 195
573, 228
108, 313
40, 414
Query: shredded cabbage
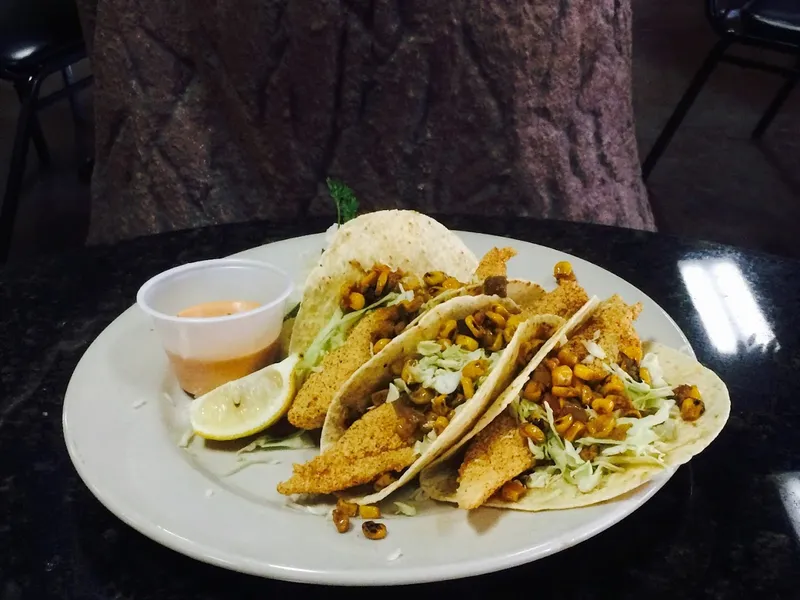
440, 370
405, 508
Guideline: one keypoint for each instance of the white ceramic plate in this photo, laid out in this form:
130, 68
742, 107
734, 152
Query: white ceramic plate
124, 417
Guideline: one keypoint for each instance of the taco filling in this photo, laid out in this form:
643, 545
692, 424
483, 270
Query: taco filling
594, 406
389, 429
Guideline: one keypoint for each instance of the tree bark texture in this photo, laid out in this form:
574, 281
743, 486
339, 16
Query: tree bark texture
220, 111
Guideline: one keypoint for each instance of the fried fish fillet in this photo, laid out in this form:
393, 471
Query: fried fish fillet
496, 455
493, 263
565, 300
311, 403
369, 448
613, 319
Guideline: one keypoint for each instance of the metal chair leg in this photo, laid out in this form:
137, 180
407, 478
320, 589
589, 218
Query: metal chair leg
775, 105
16, 172
39, 143
683, 106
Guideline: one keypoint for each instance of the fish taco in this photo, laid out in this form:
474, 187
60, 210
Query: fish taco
416, 397
598, 416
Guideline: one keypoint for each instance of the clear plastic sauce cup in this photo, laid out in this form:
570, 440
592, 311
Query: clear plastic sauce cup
218, 320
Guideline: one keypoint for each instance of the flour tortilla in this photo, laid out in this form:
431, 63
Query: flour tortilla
400, 239
440, 481
376, 375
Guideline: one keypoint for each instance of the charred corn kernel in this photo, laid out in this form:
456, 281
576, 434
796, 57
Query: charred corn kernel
474, 369
469, 321
380, 345
448, 328
603, 406
512, 491
348, 508
633, 351
432, 278
440, 424
564, 423
532, 432
565, 391
497, 343
341, 520
588, 373
562, 375
501, 310
551, 363
620, 432
575, 431
692, 409
601, 426
533, 391
381, 283
586, 395
498, 319
466, 342
542, 375
567, 357
373, 530
369, 511
632, 413
439, 405
383, 481
356, 301
562, 270
445, 343
367, 280
645, 376
451, 283
613, 385
422, 396
468, 387
406, 374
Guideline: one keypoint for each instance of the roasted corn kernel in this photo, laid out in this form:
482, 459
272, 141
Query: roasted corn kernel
355, 301
692, 409
474, 369
601, 426
586, 395
422, 396
467, 387
373, 530
532, 432
440, 424
633, 351
589, 453
588, 373
367, 280
512, 491
407, 374
565, 391
469, 321
497, 342
533, 391
563, 270
563, 423
380, 345
369, 511
445, 343
620, 432
567, 357
603, 406
341, 520
439, 405
613, 385
383, 481
501, 310
497, 319
632, 413
466, 342
575, 431
432, 278
451, 283
562, 375
381, 282
348, 508
645, 376
551, 363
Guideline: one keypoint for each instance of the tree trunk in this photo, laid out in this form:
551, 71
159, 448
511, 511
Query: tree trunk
224, 111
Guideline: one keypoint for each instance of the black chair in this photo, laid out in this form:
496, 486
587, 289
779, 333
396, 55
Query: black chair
37, 39
770, 24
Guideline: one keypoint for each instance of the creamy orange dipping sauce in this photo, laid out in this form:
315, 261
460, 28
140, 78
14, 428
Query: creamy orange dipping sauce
199, 376
220, 308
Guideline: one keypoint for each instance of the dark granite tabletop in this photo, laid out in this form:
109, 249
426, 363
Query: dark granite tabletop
725, 526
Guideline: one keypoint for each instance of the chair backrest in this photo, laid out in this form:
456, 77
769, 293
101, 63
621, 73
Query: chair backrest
724, 14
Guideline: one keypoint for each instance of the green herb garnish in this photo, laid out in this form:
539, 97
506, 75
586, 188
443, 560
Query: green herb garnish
345, 199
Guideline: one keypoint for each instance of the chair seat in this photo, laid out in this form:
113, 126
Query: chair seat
773, 20
31, 31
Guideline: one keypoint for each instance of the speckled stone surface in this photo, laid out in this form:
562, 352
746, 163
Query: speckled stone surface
725, 526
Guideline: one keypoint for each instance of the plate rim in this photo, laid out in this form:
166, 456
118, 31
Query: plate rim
390, 576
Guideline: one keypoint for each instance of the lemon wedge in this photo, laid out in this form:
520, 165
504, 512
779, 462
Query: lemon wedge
245, 406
